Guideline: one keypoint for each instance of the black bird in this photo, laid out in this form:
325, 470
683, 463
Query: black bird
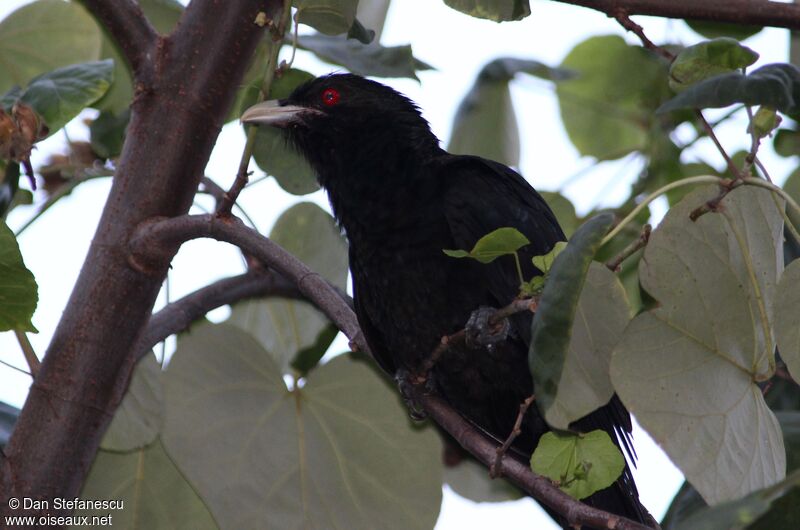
401, 200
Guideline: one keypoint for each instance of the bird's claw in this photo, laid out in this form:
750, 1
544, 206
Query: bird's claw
406, 382
481, 332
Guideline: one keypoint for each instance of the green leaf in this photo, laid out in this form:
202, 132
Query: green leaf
153, 493
792, 186
764, 122
163, 15
331, 17
787, 318
783, 514
550, 356
579, 464
60, 95
287, 327
741, 513
545, 262
501, 242
372, 59
686, 369
708, 59
563, 210
308, 358
358, 32
497, 10
266, 457
774, 85
787, 142
138, 418
42, 36
107, 133
485, 123
712, 30
607, 112
18, 290
272, 152
470, 480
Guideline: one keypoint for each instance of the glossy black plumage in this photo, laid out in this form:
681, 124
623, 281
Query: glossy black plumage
401, 199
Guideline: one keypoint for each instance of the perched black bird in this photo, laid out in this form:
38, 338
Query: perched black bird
402, 199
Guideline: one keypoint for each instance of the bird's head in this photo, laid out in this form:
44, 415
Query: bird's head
344, 122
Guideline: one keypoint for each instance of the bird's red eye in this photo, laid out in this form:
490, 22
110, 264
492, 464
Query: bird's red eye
330, 96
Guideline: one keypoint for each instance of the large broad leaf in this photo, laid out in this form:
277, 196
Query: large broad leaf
43, 36
272, 152
485, 123
335, 453
371, 59
551, 357
331, 17
287, 327
138, 418
563, 210
708, 59
783, 514
18, 290
713, 30
775, 85
787, 142
497, 10
600, 318
147, 490
60, 95
607, 111
787, 318
471, 480
686, 369
741, 513
107, 133
163, 15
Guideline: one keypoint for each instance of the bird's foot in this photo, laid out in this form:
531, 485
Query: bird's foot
406, 381
481, 332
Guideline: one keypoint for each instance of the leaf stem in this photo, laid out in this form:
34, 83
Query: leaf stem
702, 179
27, 351
519, 268
270, 69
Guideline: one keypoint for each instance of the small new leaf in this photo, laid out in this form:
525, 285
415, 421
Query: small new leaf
580, 464
502, 242
543, 263
708, 59
765, 120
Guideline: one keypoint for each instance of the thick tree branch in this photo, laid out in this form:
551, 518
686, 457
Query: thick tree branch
161, 237
155, 241
126, 24
746, 12
174, 124
179, 315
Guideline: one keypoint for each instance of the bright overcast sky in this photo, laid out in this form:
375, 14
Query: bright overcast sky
457, 46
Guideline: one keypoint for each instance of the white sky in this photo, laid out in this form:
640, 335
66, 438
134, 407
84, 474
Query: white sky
457, 46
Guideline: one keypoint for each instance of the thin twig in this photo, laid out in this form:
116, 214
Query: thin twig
710, 132
494, 469
27, 351
639, 243
239, 183
15, 368
621, 15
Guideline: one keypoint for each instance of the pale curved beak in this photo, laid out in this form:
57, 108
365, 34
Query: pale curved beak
273, 113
